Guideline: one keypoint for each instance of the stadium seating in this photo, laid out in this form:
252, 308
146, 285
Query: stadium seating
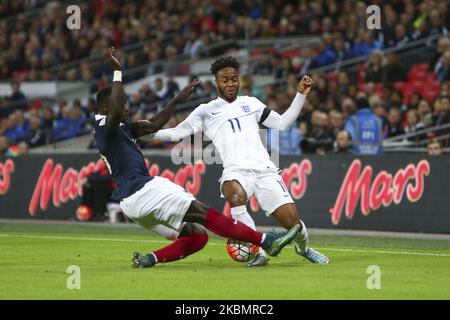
145, 42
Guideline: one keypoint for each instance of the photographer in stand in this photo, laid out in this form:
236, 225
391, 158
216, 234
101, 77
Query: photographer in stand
343, 143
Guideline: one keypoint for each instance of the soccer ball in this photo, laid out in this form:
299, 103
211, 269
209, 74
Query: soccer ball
84, 213
241, 251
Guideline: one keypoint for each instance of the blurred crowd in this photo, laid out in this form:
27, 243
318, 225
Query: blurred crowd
33, 46
38, 124
326, 124
339, 118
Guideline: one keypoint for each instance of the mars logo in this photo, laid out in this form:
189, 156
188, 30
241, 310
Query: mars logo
181, 177
65, 185
299, 171
384, 189
5, 176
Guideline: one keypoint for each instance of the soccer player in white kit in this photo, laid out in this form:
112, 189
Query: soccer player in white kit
232, 122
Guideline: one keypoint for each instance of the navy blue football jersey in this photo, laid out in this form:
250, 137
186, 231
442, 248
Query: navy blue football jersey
122, 157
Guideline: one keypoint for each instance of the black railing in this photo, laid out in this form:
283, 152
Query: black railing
418, 51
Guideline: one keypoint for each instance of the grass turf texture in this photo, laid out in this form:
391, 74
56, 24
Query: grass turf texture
34, 260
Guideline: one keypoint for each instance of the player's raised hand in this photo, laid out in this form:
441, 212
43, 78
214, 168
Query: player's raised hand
109, 57
305, 85
187, 91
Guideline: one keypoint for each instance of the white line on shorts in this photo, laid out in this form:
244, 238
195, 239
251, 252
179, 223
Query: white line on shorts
6, 235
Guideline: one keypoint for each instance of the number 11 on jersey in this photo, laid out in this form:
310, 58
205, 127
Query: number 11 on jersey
233, 126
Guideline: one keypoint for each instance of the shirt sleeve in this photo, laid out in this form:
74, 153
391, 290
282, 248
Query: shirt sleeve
283, 122
132, 128
262, 110
191, 125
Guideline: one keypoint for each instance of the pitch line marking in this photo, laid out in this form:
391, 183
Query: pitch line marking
5, 235
386, 252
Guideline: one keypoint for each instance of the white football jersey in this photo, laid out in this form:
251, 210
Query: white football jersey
234, 130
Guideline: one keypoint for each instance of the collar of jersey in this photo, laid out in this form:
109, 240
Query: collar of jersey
227, 101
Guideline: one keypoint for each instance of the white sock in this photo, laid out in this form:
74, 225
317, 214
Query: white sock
301, 240
240, 214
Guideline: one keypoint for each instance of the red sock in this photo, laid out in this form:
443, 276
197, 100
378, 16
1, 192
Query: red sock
229, 228
182, 247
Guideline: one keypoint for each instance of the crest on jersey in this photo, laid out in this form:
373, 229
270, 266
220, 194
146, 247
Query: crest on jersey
245, 108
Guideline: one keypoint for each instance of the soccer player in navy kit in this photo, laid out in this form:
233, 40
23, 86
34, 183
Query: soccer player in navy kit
155, 202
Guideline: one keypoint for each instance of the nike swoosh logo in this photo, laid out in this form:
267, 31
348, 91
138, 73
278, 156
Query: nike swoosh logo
214, 113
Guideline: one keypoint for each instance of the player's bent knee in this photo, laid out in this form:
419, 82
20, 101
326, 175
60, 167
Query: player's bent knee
198, 207
191, 229
237, 200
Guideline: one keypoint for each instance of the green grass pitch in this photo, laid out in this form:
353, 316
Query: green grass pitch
34, 260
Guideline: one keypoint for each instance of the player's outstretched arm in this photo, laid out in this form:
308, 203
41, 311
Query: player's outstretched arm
188, 127
272, 119
117, 99
154, 124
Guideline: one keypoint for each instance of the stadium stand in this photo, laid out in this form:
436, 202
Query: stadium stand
403, 69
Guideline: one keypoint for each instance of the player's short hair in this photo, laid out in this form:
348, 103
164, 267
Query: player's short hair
103, 96
224, 62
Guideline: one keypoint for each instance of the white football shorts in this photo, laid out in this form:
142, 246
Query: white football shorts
268, 188
159, 202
